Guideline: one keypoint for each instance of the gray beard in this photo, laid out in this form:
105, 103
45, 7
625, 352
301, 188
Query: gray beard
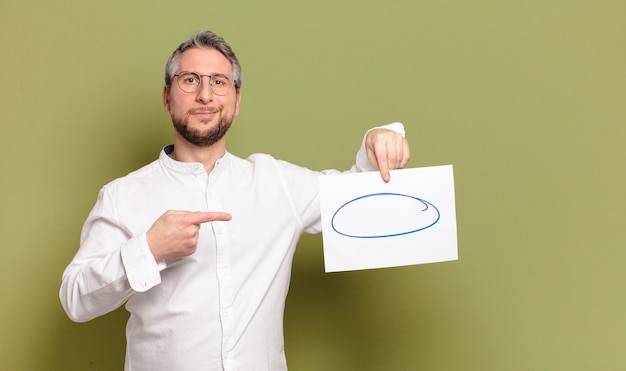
196, 137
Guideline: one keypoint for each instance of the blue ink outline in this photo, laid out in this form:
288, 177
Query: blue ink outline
424, 202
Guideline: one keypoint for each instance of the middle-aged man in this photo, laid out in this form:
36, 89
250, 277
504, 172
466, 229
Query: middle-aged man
199, 243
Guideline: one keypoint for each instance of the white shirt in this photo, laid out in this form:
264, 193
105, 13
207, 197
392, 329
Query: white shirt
222, 307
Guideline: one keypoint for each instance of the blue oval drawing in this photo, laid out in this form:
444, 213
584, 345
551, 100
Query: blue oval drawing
410, 214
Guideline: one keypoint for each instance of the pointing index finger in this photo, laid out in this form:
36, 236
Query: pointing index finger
383, 163
198, 217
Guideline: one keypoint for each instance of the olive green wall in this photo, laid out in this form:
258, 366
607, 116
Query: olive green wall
525, 98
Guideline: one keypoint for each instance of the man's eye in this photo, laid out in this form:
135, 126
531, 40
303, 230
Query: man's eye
189, 79
221, 82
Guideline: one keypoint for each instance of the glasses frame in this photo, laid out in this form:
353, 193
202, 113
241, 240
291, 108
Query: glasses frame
211, 76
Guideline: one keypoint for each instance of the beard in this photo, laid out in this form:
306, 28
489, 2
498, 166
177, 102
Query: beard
198, 137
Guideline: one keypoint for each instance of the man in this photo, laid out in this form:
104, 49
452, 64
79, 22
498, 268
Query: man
199, 243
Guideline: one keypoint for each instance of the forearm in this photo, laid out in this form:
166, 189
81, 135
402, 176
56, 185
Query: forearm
94, 285
91, 288
112, 263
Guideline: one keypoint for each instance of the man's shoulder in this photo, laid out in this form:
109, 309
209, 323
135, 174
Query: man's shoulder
263, 163
145, 172
260, 160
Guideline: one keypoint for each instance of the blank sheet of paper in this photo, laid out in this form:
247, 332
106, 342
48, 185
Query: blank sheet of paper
367, 223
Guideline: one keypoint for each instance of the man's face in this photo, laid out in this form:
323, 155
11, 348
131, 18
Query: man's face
202, 117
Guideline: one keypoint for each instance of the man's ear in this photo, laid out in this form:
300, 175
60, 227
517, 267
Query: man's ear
237, 102
166, 100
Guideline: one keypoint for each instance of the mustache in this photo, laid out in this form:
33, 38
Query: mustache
216, 109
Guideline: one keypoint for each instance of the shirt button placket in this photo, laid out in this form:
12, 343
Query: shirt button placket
224, 279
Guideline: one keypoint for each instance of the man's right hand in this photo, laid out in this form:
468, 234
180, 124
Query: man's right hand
175, 233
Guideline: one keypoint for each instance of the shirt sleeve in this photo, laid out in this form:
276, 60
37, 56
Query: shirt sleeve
110, 265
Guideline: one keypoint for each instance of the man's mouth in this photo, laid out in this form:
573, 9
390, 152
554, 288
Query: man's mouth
204, 110
204, 113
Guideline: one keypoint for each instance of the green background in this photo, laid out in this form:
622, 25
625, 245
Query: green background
525, 98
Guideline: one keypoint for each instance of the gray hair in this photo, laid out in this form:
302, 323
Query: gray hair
203, 39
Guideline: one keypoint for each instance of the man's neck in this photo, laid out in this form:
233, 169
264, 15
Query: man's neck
187, 152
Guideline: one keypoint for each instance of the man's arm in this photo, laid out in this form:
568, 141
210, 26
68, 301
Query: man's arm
95, 281
111, 264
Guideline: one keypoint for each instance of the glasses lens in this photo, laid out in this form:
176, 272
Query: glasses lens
220, 84
189, 81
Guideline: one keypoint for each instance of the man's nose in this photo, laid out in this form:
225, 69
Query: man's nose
205, 93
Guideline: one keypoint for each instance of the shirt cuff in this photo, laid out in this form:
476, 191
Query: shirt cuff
362, 162
142, 270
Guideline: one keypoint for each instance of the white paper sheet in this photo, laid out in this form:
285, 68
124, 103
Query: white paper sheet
367, 223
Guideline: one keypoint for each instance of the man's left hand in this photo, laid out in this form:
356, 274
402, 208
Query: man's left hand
387, 150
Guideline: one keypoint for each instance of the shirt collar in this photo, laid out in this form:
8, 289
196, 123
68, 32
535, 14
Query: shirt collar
188, 167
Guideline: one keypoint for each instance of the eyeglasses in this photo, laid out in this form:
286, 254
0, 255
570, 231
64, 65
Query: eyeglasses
190, 82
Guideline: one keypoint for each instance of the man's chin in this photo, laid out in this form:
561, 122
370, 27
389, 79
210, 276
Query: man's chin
202, 138
201, 132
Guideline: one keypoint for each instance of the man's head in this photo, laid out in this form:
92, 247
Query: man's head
202, 89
